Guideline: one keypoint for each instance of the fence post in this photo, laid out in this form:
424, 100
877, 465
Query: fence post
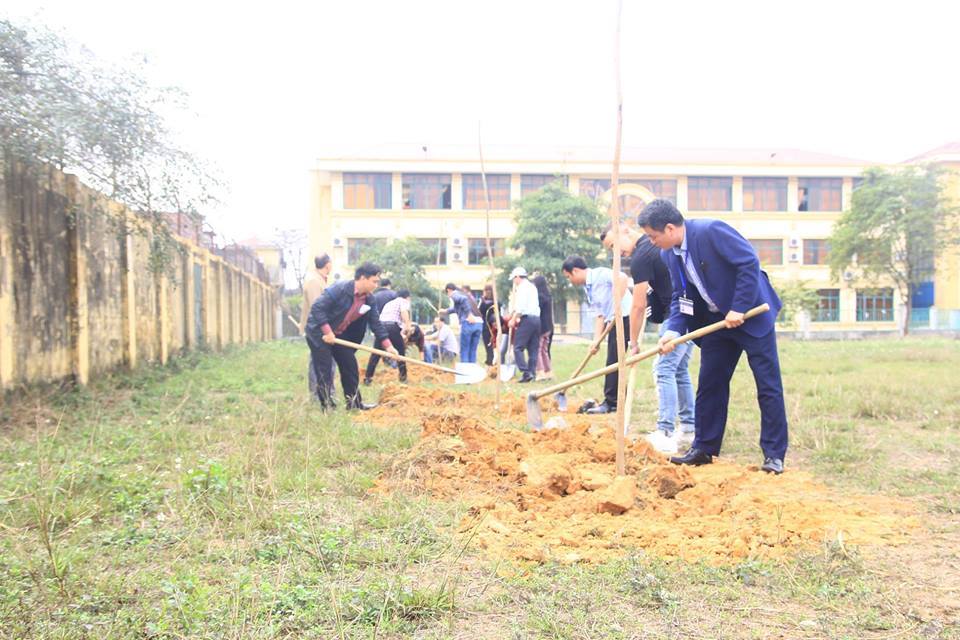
127, 290
77, 277
7, 315
163, 321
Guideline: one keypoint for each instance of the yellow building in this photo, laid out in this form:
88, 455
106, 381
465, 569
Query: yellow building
784, 200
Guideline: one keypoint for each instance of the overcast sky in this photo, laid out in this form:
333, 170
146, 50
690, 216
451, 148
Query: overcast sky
275, 84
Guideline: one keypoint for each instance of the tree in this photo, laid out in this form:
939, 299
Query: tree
293, 245
898, 222
402, 261
552, 224
60, 106
796, 296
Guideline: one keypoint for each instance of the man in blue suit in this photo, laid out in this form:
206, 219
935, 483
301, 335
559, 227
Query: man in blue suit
716, 276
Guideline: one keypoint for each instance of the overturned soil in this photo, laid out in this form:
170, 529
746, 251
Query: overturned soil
554, 495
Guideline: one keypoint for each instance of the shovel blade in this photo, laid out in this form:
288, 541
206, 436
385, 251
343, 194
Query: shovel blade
534, 414
507, 371
561, 399
469, 373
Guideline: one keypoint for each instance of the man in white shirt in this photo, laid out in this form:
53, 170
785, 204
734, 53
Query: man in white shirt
395, 317
441, 344
525, 322
598, 285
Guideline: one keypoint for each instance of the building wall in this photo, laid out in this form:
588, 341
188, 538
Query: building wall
77, 294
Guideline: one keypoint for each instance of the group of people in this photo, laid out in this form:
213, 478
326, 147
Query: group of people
684, 274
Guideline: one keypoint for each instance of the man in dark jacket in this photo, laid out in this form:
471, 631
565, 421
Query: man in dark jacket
345, 310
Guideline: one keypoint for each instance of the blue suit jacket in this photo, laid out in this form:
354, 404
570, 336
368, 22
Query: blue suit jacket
729, 269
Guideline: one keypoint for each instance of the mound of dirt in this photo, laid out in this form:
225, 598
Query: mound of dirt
553, 495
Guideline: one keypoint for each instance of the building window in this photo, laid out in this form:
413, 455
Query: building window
857, 183
357, 248
367, 191
438, 249
874, 305
497, 185
769, 251
828, 306
709, 194
426, 190
764, 194
477, 249
815, 251
593, 188
820, 194
665, 188
531, 182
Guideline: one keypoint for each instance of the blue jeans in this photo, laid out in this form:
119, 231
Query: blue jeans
469, 341
431, 354
671, 372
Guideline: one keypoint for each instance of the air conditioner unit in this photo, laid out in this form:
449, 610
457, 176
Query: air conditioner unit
794, 243
848, 275
457, 242
794, 256
337, 242
456, 257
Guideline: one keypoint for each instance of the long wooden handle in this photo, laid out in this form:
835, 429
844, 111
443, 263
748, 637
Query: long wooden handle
387, 354
643, 355
593, 347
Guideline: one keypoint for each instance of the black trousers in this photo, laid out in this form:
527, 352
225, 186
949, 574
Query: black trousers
324, 355
395, 332
527, 336
611, 380
488, 344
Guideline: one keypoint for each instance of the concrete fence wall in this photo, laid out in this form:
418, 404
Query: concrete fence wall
78, 296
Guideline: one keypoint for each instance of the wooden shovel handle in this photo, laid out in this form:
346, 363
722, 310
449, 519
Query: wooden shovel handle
593, 347
649, 353
387, 354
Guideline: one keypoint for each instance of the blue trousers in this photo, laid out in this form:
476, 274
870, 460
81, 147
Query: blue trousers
469, 341
719, 355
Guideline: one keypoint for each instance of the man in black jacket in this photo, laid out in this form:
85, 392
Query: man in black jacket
344, 311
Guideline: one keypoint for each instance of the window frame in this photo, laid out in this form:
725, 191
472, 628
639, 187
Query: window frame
346, 178
407, 186
781, 189
866, 300
499, 194
713, 185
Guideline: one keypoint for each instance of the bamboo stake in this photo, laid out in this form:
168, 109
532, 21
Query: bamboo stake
493, 271
618, 286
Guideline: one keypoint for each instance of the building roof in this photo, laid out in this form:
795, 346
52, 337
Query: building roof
949, 152
777, 156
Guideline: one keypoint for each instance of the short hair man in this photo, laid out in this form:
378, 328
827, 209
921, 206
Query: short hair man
395, 317
598, 285
471, 323
716, 276
441, 343
525, 322
344, 311
652, 291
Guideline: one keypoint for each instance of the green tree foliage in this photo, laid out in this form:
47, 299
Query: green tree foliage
403, 262
796, 296
897, 224
551, 225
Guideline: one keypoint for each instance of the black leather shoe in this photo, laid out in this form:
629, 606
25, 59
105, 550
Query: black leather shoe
772, 465
526, 378
603, 407
695, 457
367, 381
363, 406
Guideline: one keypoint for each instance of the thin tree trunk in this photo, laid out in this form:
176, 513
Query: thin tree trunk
493, 270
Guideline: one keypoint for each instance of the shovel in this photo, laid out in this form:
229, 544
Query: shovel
508, 369
387, 354
535, 415
594, 347
632, 381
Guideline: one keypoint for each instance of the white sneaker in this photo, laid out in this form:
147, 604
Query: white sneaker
662, 442
683, 438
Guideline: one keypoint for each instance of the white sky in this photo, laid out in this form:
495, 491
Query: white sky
273, 85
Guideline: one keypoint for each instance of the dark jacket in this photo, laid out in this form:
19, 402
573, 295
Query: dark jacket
730, 271
332, 307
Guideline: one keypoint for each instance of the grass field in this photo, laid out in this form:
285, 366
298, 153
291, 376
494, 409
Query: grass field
211, 499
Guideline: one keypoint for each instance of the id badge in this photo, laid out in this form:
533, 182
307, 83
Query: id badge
686, 306
363, 309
